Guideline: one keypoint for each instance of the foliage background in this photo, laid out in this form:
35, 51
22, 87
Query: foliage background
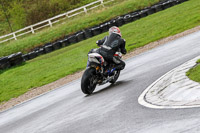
22, 13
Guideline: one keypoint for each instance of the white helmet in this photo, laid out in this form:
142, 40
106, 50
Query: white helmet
115, 30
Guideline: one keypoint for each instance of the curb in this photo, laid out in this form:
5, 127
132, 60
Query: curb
173, 90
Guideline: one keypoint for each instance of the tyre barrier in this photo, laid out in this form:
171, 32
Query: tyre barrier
29, 56
32, 55
112, 23
80, 36
11, 60
72, 39
47, 44
96, 30
87, 33
135, 16
157, 7
56, 45
167, 4
18, 58
143, 13
25, 57
48, 48
4, 63
128, 18
15, 59
180, 1
120, 21
173, 2
64, 42
151, 11
40, 51
104, 27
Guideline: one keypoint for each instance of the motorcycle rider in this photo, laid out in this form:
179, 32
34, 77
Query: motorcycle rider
109, 45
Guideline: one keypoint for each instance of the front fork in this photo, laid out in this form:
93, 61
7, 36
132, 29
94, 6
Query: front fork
87, 63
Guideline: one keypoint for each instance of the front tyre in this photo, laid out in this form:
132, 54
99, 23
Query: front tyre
88, 83
116, 76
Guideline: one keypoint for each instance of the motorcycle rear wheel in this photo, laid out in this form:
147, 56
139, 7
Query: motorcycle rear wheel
88, 84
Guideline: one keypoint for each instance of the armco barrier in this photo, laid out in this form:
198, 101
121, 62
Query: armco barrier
6, 62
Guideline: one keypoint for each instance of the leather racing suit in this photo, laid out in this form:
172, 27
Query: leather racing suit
109, 45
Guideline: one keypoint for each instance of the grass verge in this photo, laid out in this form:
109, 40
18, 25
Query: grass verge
194, 73
55, 65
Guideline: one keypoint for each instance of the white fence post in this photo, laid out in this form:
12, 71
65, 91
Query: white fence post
50, 23
85, 10
32, 30
67, 15
14, 36
102, 3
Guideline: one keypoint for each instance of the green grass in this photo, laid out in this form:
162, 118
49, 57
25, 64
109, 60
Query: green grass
194, 73
72, 25
4, 28
53, 66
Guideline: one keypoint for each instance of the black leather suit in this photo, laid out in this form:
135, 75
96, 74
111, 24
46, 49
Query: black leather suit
109, 45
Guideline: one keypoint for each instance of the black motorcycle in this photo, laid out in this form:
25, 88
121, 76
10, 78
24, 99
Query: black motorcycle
98, 72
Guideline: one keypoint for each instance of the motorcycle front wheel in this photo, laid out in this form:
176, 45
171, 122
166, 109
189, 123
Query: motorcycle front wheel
88, 84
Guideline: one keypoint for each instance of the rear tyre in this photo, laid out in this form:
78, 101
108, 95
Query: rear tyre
88, 84
116, 76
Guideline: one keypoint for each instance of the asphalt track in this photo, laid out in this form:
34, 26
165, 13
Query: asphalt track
111, 109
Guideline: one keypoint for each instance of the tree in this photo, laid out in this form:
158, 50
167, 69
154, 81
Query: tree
17, 15
4, 11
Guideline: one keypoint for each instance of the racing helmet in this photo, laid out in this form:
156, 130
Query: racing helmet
115, 30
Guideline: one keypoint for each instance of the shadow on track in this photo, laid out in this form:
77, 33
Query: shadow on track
111, 86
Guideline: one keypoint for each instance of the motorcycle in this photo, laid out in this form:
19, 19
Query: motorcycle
98, 72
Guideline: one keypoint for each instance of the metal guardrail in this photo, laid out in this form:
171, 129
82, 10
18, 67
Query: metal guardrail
53, 20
